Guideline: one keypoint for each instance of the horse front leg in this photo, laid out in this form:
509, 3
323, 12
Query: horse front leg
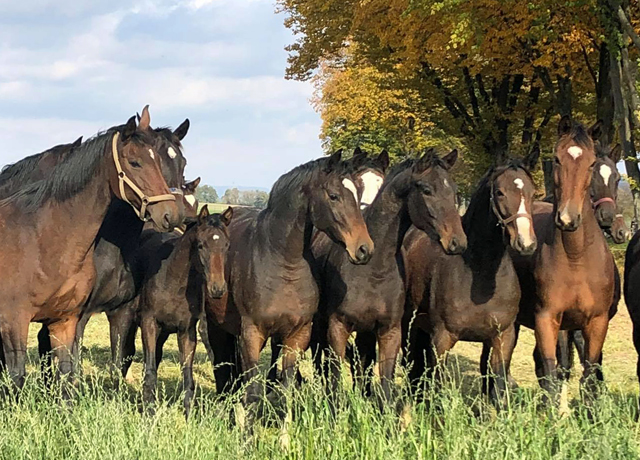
293, 346
502, 347
595, 333
44, 351
251, 343
187, 341
389, 341
337, 338
77, 342
14, 331
63, 334
547, 327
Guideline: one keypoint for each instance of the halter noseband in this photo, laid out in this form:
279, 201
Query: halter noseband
123, 179
603, 200
501, 221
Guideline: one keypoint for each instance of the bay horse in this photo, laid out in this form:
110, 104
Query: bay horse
271, 288
473, 296
116, 282
57, 220
364, 176
570, 282
370, 299
179, 271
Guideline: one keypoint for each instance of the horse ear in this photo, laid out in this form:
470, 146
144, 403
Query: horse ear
192, 186
451, 159
138, 117
76, 143
204, 213
424, 161
334, 161
145, 119
359, 158
226, 216
190, 222
182, 130
531, 160
595, 131
129, 128
383, 160
616, 153
565, 125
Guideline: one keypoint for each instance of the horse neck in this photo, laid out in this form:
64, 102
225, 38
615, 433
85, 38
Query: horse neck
121, 227
388, 218
181, 260
83, 214
287, 228
575, 244
486, 244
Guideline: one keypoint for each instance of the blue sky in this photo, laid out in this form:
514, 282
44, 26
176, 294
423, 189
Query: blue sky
73, 67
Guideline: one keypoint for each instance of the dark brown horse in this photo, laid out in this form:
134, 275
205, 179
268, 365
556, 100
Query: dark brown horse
179, 270
473, 296
370, 299
56, 221
364, 176
272, 292
123, 318
569, 283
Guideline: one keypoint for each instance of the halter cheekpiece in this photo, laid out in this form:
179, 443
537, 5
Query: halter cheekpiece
123, 179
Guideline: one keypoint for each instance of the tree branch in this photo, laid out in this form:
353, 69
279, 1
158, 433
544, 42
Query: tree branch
626, 25
453, 104
472, 93
589, 67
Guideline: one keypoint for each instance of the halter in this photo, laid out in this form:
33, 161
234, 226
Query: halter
603, 200
503, 222
123, 179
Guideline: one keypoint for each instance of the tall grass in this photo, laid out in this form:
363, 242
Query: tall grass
448, 423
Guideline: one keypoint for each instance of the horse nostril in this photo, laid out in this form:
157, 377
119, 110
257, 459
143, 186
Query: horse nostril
363, 252
166, 221
453, 245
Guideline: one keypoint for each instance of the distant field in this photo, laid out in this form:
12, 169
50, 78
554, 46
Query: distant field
457, 423
217, 207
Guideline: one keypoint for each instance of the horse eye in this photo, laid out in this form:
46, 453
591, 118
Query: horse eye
499, 193
134, 164
200, 246
333, 197
592, 165
557, 161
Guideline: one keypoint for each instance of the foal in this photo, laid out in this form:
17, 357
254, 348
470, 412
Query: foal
370, 299
569, 283
473, 296
179, 273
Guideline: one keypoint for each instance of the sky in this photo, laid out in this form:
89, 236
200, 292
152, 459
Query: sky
74, 67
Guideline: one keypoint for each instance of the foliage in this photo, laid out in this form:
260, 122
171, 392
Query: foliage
231, 196
255, 198
206, 194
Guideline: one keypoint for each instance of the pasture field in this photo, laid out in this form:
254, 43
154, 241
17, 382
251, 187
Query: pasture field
455, 423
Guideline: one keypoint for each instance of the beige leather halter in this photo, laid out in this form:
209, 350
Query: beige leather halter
123, 179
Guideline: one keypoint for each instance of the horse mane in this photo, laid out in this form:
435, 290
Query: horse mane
432, 159
602, 151
292, 182
70, 176
580, 136
481, 194
13, 176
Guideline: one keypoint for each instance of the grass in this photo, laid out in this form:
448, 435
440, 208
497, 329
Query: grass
455, 422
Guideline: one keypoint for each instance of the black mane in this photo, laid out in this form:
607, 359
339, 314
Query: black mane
580, 136
70, 176
293, 181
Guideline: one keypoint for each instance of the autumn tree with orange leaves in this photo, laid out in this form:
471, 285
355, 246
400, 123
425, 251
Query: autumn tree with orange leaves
490, 74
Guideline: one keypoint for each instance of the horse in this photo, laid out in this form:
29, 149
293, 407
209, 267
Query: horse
604, 194
116, 282
271, 288
370, 299
123, 320
570, 282
179, 270
364, 176
473, 296
56, 220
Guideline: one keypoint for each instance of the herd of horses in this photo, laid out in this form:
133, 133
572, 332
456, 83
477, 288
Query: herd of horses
110, 225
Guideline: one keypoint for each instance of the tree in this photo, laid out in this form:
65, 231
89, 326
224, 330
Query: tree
206, 194
231, 196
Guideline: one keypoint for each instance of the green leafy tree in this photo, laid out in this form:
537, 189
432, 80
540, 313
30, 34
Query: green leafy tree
206, 194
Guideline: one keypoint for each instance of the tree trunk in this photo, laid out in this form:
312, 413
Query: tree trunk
605, 109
